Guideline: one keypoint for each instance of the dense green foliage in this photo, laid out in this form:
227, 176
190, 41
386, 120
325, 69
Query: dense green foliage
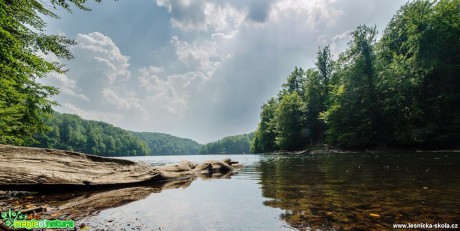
421, 82
352, 117
403, 90
264, 136
23, 100
165, 144
70, 132
289, 122
231, 144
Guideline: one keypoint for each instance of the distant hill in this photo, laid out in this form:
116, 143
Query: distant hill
70, 132
165, 144
231, 144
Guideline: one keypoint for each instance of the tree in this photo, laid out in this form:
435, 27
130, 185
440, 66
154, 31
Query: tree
420, 85
353, 117
264, 136
231, 144
289, 123
24, 102
314, 99
325, 65
165, 144
294, 83
403, 90
316, 94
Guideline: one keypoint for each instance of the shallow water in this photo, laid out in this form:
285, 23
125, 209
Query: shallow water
326, 191
353, 191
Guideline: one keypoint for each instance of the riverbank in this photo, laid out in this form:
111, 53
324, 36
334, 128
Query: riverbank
329, 149
38, 169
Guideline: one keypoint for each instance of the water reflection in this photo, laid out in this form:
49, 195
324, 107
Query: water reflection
79, 205
362, 191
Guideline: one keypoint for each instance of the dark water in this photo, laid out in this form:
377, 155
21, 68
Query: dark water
359, 191
363, 191
326, 191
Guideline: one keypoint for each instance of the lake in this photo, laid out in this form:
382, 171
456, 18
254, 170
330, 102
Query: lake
358, 191
342, 191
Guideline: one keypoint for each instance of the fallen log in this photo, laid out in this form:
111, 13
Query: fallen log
38, 169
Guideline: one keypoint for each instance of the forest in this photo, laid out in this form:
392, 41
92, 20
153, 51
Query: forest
401, 90
231, 144
165, 144
70, 132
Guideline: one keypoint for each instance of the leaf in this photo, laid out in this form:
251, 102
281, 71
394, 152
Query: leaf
374, 215
85, 227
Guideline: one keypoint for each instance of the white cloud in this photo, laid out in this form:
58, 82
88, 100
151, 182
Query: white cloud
223, 18
105, 53
339, 42
201, 55
187, 15
98, 85
91, 115
171, 93
165, 3
200, 15
101, 85
222, 36
312, 13
125, 102
66, 85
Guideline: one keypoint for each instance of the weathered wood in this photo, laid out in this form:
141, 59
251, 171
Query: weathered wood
37, 169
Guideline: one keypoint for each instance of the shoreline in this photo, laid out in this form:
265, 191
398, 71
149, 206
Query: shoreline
334, 150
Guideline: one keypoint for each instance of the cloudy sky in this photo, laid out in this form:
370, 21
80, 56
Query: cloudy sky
194, 68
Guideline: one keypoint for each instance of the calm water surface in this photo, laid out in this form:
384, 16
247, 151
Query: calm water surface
324, 191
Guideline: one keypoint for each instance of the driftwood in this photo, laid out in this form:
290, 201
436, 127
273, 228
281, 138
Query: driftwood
37, 169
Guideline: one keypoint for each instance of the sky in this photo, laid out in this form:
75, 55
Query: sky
194, 68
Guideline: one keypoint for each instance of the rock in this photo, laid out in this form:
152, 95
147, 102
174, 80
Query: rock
212, 166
